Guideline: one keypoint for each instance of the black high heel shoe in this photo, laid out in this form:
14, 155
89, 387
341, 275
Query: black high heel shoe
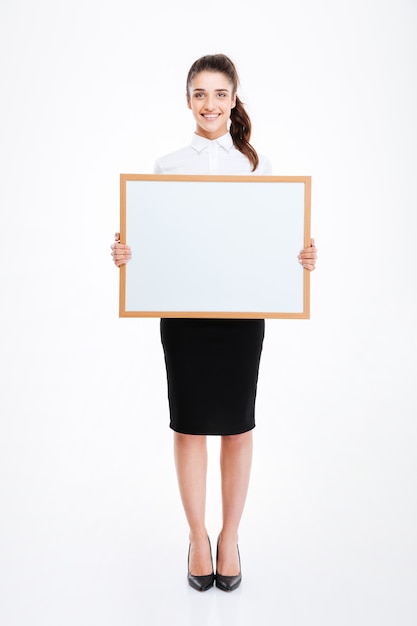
200, 583
227, 583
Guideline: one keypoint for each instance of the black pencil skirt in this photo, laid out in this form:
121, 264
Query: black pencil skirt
212, 371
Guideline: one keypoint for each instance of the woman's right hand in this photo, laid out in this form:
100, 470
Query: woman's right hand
121, 253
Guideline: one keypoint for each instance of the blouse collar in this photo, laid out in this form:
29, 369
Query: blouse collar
200, 143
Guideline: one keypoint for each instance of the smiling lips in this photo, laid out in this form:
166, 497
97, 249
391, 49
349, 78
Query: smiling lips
210, 117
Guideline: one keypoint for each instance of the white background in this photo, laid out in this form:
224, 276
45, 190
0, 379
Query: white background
92, 530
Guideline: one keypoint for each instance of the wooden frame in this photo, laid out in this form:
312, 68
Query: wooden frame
215, 246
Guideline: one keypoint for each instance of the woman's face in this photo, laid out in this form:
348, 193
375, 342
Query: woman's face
211, 100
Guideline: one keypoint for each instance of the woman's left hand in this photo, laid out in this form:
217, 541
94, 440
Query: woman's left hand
308, 257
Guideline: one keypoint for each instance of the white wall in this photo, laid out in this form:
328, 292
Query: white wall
91, 89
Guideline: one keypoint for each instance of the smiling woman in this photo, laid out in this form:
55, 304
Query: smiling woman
212, 364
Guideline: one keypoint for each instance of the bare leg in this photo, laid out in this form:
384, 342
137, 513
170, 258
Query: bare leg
235, 464
190, 453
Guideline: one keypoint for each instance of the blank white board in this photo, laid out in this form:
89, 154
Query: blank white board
214, 246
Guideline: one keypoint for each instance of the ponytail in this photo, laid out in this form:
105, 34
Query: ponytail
240, 130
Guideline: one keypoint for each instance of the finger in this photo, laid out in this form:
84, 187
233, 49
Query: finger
122, 252
117, 236
121, 261
124, 258
120, 247
308, 265
306, 251
308, 256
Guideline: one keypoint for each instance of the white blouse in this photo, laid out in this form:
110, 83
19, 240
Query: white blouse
216, 156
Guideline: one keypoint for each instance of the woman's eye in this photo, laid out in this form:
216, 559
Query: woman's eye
199, 95
221, 95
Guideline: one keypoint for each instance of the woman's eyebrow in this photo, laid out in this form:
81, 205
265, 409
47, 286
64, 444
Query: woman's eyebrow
198, 89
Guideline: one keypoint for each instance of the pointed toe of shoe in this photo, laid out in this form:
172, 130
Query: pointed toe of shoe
228, 583
201, 583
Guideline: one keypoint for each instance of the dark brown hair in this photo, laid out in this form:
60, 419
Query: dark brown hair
240, 127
